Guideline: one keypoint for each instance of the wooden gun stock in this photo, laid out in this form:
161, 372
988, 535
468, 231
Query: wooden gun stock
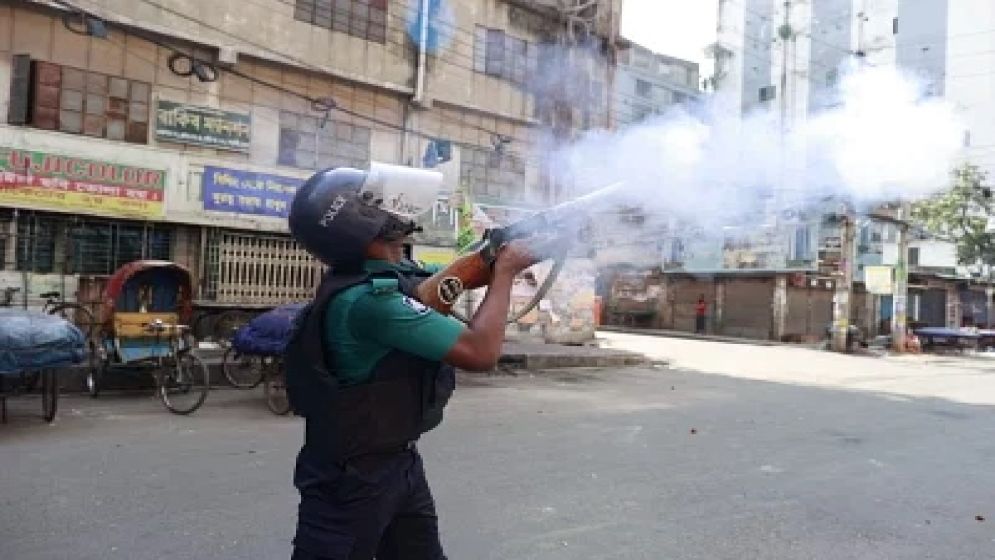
441, 291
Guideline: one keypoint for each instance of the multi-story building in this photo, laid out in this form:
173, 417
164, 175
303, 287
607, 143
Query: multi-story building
788, 56
775, 277
649, 83
969, 77
181, 129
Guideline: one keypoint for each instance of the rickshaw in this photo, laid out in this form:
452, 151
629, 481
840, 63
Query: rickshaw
256, 355
33, 345
145, 319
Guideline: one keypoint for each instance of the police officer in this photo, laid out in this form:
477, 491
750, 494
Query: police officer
370, 369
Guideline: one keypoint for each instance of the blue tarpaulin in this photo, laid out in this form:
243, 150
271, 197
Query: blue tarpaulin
31, 340
267, 334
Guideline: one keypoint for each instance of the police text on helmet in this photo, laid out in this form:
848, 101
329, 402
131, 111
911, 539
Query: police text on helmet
332, 211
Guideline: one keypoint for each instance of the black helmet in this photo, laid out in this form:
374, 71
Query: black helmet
338, 212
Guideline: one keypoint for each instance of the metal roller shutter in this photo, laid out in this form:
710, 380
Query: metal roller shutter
747, 311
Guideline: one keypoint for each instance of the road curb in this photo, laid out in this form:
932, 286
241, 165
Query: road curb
692, 336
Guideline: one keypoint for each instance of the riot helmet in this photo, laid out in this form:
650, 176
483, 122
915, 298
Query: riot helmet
338, 212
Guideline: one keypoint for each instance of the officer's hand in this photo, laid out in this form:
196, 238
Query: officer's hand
515, 257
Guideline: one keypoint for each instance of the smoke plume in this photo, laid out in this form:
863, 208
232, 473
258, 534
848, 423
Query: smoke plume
883, 140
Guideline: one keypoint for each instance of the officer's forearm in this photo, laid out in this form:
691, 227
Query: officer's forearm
479, 347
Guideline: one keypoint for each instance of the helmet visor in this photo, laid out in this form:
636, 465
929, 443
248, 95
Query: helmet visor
405, 192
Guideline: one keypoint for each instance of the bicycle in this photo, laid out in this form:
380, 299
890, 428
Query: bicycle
75, 313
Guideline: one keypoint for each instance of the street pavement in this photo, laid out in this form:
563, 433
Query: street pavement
731, 452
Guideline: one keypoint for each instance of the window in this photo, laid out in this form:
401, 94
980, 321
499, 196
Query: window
894, 26
82, 102
767, 93
967, 138
832, 77
492, 174
677, 251
366, 19
503, 56
62, 244
596, 98
890, 233
802, 247
913, 256
305, 144
643, 88
640, 112
36, 244
101, 247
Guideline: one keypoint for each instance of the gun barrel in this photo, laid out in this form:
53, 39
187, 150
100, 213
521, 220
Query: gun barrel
583, 204
576, 210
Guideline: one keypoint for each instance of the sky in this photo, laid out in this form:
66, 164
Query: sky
680, 28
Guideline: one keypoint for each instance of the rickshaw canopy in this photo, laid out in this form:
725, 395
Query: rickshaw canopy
148, 286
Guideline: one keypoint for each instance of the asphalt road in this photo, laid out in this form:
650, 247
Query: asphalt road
705, 460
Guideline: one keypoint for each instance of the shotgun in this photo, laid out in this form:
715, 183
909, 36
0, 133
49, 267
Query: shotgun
555, 231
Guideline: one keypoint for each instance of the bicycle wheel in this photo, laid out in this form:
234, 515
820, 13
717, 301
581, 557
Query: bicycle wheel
242, 370
78, 315
275, 390
183, 385
49, 394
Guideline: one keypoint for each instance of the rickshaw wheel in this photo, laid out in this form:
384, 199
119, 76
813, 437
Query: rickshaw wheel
49, 394
275, 389
99, 362
228, 322
183, 386
242, 370
94, 370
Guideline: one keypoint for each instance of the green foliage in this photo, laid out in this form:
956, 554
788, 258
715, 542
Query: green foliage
960, 214
466, 235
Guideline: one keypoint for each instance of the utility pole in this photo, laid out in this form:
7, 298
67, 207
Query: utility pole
989, 292
844, 284
612, 56
785, 33
899, 297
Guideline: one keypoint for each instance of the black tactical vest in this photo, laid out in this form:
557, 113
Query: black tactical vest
404, 398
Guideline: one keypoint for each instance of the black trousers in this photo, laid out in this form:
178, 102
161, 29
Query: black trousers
377, 507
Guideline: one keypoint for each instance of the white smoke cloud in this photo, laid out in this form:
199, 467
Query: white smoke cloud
883, 141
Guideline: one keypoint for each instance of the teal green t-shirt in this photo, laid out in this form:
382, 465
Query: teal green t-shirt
364, 323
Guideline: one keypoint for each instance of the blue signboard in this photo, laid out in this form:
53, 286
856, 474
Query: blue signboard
246, 192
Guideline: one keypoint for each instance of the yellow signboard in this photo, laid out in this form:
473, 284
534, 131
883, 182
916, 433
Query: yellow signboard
42, 180
440, 256
878, 279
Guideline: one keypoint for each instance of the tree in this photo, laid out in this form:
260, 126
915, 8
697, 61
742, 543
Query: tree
961, 214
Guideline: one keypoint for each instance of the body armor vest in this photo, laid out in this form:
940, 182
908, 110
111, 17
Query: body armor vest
404, 398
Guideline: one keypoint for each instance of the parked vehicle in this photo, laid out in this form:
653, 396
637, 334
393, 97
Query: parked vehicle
256, 355
36, 346
145, 319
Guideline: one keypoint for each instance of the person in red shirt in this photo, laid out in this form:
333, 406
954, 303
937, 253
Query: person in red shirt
700, 309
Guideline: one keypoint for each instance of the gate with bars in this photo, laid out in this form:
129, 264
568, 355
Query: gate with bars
245, 273
257, 270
